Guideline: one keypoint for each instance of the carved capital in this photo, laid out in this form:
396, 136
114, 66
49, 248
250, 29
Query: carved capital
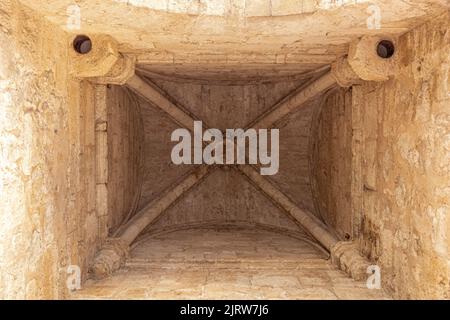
346, 256
344, 74
120, 73
110, 258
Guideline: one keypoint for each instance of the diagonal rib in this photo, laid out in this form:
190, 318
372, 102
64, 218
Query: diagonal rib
294, 101
148, 91
155, 208
308, 221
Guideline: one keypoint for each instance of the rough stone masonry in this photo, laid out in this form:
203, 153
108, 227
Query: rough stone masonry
91, 92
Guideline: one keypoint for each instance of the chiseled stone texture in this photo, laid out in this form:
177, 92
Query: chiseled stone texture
331, 161
226, 196
125, 155
44, 227
227, 263
380, 151
239, 31
406, 166
399, 157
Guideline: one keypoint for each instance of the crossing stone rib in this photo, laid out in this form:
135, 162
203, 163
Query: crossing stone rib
113, 255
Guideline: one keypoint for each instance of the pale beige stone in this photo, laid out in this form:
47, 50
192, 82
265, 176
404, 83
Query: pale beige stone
150, 274
85, 170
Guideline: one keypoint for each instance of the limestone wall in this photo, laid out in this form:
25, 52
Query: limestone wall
381, 166
380, 169
47, 149
125, 155
331, 161
406, 166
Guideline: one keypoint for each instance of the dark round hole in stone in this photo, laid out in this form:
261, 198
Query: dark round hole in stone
82, 44
385, 49
347, 236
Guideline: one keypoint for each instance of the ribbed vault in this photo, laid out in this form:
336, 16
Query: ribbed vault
173, 195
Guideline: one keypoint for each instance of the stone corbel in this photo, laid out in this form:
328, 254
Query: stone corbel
364, 64
104, 64
110, 258
343, 73
347, 257
120, 73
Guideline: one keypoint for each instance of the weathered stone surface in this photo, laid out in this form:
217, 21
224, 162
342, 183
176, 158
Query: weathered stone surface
344, 73
346, 255
406, 165
48, 218
330, 161
80, 158
365, 62
199, 263
218, 30
110, 258
96, 63
125, 145
397, 167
